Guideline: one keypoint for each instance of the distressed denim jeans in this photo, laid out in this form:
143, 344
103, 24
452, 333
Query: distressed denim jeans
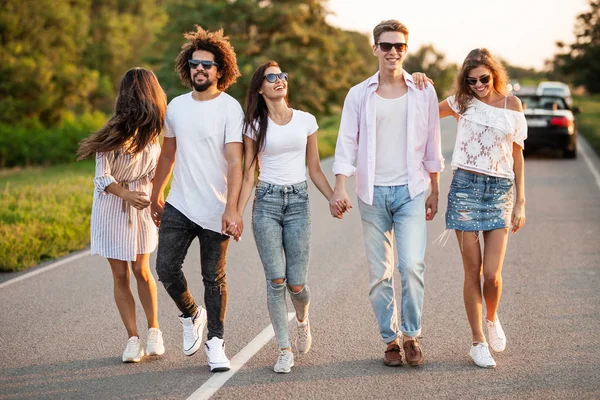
281, 227
395, 214
175, 236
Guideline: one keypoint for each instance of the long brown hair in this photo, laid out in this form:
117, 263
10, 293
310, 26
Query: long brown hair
214, 42
256, 117
138, 119
478, 57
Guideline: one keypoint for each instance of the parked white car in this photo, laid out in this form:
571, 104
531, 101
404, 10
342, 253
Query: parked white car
552, 88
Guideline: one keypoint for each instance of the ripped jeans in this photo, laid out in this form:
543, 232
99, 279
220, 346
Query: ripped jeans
281, 227
175, 236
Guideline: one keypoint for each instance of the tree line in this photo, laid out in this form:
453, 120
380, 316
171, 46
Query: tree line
65, 59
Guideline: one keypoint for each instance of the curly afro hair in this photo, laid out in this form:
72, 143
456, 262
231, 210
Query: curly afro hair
215, 43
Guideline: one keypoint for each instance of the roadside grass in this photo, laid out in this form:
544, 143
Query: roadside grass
45, 212
589, 119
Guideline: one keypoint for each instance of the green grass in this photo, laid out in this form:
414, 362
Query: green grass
589, 119
328, 130
45, 212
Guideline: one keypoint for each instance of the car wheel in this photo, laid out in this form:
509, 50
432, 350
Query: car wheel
570, 153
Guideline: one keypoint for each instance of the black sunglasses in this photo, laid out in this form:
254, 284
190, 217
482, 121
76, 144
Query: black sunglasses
385, 46
272, 78
483, 79
206, 64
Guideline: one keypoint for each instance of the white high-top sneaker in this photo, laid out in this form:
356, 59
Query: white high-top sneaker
215, 352
133, 351
154, 343
192, 331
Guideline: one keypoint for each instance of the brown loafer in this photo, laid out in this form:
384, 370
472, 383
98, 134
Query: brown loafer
413, 353
393, 356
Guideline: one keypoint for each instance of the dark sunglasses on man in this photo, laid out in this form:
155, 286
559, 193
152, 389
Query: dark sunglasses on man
272, 78
483, 79
206, 64
386, 46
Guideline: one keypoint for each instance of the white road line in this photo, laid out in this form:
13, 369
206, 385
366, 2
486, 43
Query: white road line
211, 386
590, 164
45, 269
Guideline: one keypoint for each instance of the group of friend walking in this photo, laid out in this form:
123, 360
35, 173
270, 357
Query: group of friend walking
389, 138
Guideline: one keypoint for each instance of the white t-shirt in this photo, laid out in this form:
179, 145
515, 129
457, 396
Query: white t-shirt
391, 167
283, 159
202, 128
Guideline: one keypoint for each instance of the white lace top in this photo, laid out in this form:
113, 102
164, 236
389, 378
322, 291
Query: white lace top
485, 138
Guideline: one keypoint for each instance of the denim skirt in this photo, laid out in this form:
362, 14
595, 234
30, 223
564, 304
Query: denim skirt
479, 202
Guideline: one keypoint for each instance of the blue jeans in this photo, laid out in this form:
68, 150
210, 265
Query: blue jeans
394, 213
281, 227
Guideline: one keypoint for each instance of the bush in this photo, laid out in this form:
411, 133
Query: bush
31, 143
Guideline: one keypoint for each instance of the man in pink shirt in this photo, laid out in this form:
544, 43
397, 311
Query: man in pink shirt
390, 129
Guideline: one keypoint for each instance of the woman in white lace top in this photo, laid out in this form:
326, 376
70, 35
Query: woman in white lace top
487, 193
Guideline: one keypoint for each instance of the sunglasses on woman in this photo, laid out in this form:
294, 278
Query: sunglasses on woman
272, 78
206, 64
385, 46
483, 79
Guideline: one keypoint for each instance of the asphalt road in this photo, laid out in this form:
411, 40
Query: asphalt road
61, 336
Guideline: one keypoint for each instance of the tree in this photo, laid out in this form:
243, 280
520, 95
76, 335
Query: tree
323, 61
41, 69
579, 62
121, 32
427, 59
61, 57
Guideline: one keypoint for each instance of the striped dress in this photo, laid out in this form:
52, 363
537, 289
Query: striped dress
119, 230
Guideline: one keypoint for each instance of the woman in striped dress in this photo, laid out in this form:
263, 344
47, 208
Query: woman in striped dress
122, 230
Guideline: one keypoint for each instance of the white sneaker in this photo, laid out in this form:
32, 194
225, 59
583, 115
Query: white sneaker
154, 343
133, 351
215, 352
285, 362
304, 338
192, 331
496, 335
480, 353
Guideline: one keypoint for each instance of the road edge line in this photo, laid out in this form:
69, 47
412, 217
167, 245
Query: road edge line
45, 268
588, 159
214, 383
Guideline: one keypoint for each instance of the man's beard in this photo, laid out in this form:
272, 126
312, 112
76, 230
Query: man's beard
201, 87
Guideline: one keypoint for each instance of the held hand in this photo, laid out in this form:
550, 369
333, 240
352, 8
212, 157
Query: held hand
339, 204
421, 80
431, 206
156, 211
138, 200
232, 224
517, 220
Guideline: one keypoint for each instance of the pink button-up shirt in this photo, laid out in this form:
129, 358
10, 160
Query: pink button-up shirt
357, 137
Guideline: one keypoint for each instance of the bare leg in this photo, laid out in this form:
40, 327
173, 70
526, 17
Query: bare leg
123, 296
470, 250
146, 286
493, 258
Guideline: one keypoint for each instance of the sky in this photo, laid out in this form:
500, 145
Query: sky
523, 32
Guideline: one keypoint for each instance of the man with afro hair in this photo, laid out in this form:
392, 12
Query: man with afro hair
203, 149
